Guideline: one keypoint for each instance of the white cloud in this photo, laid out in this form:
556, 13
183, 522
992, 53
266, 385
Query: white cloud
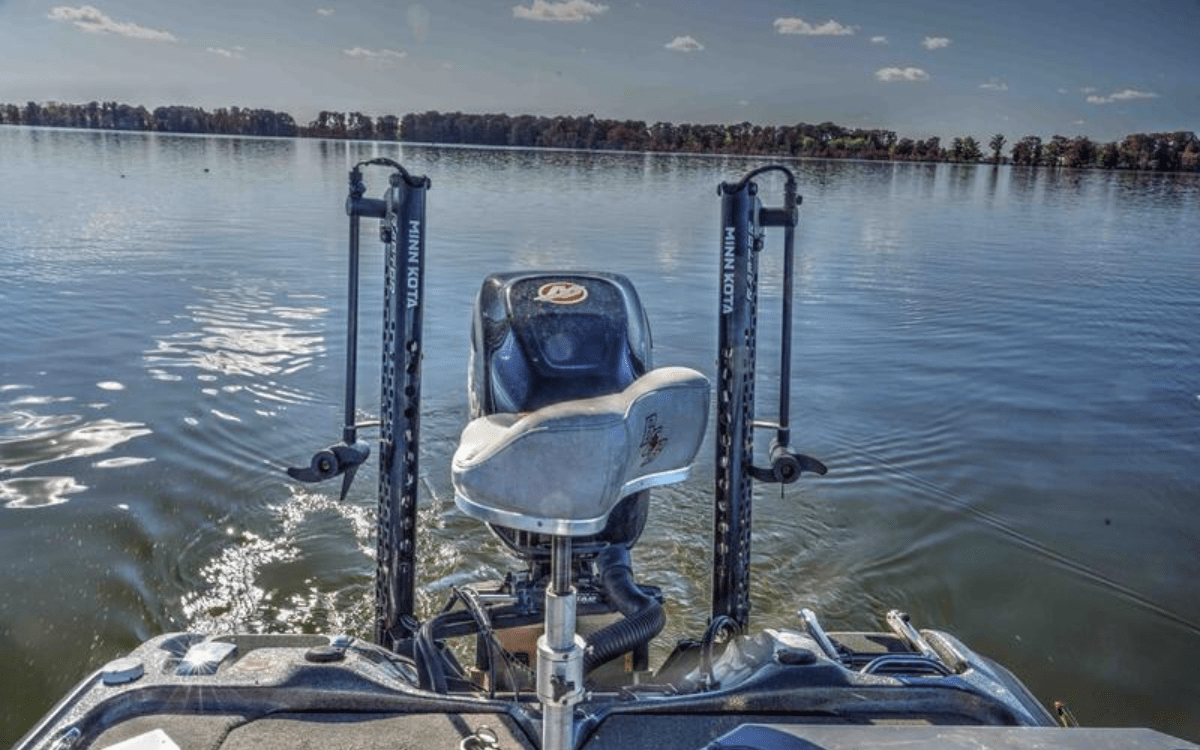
93, 21
1062, 90
879, 39
1088, 90
901, 74
800, 26
375, 54
564, 11
1123, 95
325, 11
994, 84
684, 44
935, 42
233, 53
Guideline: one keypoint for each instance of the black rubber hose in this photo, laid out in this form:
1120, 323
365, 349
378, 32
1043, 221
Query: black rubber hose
644, 616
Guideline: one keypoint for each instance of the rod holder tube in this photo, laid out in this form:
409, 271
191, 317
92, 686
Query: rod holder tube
899, 624
813, 627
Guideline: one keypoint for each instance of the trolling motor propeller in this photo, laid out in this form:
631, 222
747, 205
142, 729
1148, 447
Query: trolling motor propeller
341, 458
786, 466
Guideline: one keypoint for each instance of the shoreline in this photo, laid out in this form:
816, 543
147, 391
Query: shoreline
1158, 152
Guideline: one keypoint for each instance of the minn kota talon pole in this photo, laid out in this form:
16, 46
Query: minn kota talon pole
401, 212
743, 223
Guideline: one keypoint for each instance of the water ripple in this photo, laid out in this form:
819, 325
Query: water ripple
48, 446
993, 362
240, 333
878, 468
249, 582
38, 492
34, 434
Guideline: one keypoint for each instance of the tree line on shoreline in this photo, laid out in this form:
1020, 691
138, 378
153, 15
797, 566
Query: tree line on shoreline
1162, 152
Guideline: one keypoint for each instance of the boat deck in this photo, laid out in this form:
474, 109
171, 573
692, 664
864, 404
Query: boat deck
348, 731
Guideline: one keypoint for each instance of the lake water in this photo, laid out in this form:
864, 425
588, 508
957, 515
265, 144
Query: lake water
1000, 367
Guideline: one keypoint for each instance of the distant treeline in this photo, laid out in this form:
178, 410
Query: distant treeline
1163, 152
183, 119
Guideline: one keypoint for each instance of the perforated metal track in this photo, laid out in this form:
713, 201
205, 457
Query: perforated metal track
400, 398
735, 406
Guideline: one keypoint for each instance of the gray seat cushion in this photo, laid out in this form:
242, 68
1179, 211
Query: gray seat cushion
562, 469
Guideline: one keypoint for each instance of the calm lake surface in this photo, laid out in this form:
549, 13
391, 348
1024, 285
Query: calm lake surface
1001, 368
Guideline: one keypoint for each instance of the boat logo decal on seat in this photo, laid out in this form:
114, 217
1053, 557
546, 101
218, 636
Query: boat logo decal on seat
562, 293
653, 439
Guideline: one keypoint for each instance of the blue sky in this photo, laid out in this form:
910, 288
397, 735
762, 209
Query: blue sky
919, 67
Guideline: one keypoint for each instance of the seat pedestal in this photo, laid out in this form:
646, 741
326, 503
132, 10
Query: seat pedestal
560, 471
560, 654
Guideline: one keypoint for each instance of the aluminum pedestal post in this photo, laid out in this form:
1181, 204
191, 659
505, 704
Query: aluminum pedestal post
560, 654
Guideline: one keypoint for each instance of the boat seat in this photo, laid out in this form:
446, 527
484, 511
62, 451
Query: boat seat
563, 468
